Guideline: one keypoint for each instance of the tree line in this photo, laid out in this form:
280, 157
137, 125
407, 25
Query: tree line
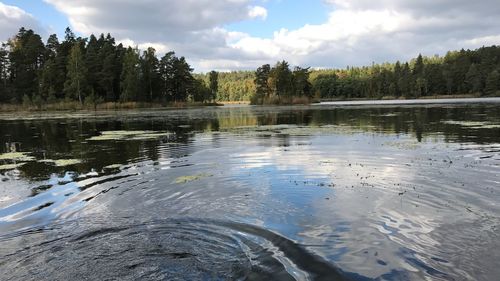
233, 86
94, 70
280, 84
475, 72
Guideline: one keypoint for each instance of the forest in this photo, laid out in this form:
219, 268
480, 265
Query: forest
458, 73
464, 72
94, 70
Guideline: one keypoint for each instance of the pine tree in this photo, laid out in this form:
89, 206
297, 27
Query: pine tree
418, 69
93, 64
166, 72
26, 58
130, 75
404, 81
150, 73
397, 75
261, 84
280, 79
48, 76
182, 78
473, 79
214, 84
107, 75
492, 83
61, 62
301, 84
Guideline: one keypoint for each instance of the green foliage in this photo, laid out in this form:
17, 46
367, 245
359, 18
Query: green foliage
166, 72
76, 79
214, 84
95, 69
149, 75
280, 85
4, 82
38, 101
473, 79
300, 82
26, 101
461, 72
262, 88
235, 86
201, 93
26, 58
130, 76
492, 83
280, 80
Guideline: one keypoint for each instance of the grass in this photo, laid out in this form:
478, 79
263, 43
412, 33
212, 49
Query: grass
277, 100
74, 106
457, 96
234, 102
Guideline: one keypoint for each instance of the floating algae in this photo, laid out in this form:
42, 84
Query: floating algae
113, 166
129, 135
186, 179
62, 162
10, 166
293, 130
16, 156
487, 126
150, 136
473, 124
403, 144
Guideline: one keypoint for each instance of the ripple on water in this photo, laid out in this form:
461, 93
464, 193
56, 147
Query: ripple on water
393, 194
187, 249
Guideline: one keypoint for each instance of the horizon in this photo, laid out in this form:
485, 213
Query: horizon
231, 35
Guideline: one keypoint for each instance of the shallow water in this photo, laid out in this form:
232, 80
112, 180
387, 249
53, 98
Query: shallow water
392, 192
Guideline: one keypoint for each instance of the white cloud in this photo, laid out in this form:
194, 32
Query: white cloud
357, 32
154, 19
257, 12
12, 18
361, 31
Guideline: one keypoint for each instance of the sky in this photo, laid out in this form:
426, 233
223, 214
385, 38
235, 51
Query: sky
244, 34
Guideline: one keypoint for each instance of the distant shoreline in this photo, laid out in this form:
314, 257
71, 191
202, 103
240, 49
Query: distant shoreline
414, 101
108, 106
75, 107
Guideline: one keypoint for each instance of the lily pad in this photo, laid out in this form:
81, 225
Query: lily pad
10, 166
16, 156
128, 135
62, 162
113, 166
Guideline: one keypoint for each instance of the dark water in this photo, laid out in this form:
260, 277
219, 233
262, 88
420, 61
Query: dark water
401, 192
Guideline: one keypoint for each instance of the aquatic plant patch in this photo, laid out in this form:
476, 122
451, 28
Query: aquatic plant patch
128, 135
186, 179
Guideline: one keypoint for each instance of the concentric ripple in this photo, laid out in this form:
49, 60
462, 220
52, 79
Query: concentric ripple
186, 249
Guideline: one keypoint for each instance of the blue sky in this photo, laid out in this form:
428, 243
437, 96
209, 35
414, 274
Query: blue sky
243, 34
289, 14
51, 19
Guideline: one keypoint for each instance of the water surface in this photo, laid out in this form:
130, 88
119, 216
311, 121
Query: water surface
329, 192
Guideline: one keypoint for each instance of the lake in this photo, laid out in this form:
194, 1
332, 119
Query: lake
323, 192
